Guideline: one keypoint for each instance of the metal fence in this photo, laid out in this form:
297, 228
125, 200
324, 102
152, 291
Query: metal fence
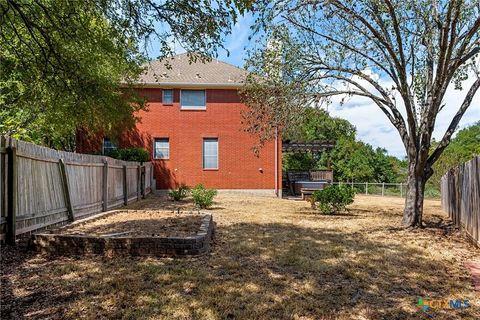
377, 188
42, 187
388, 189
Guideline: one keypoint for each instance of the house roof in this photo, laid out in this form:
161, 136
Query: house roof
182, 72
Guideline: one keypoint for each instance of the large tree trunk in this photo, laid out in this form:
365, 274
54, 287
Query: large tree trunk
412, 214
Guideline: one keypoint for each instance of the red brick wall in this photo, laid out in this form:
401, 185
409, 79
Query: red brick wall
238, 168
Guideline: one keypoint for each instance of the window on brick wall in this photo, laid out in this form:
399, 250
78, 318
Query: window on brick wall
161, 147
108, 146
210, 153
193, 99
167, 97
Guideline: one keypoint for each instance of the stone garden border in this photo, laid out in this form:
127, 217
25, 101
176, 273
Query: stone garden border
69, 244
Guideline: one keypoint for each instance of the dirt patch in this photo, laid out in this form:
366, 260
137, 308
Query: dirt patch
139, 223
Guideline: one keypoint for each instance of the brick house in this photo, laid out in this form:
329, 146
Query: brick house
193, 131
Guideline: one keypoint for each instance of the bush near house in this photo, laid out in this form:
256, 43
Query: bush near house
179, 194
202, 197
333, 199
130, 154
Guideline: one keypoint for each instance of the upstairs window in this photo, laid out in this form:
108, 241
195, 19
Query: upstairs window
108, 146
210, 153
167, 97
193, 99
161, 147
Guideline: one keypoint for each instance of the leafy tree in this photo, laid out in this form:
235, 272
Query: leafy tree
400, 168
68, 64
463, 147
384, 166
401, 55
315, 124
318, 124
352, 160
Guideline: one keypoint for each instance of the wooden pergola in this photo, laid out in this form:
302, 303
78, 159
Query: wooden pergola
307, 181
313, 146
307, 146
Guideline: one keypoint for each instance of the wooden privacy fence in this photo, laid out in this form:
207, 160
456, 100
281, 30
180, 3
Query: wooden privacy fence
461, 196
42, 187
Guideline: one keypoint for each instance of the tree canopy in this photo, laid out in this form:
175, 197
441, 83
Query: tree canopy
351, 159
463, 147
68, 64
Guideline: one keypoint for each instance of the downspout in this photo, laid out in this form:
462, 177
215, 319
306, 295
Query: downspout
276, 161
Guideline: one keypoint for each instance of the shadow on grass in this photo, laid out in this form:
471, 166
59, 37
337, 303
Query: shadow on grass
256, 271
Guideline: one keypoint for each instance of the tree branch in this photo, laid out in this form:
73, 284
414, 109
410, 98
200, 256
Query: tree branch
454, 123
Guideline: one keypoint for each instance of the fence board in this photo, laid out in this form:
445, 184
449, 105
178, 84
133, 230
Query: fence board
40, 190
461, 197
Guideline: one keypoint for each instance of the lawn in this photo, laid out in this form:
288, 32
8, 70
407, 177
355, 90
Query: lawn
272, 259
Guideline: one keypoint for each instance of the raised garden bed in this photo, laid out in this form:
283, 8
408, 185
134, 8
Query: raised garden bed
131, 232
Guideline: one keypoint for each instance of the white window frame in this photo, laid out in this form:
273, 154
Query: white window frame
114, 146
163, 96
167, 139
204, 107
203, 153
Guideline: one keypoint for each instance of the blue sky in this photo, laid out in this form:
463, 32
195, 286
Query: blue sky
372, 125
235, 43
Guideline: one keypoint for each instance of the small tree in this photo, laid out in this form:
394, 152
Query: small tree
402, 55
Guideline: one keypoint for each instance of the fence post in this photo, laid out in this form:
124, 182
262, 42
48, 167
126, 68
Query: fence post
125, 186
153, 186
105, 185
3, 199
143, 182
66, 190
383, 188
11, 194
457, 184
139, 181
366, 187
401, 189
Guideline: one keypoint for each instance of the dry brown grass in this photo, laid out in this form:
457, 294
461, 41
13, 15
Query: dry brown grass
273, 259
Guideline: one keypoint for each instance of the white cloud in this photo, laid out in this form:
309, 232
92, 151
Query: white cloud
374, 128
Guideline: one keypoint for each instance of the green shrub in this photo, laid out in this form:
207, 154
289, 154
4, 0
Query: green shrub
130, 154
202, 197
432, 192
334, 198
179, 194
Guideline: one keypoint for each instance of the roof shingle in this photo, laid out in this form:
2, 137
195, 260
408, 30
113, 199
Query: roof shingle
212, 73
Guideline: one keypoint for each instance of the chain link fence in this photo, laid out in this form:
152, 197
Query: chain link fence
377, 188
